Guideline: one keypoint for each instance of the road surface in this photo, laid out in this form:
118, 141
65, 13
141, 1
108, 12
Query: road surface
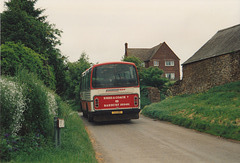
148, 141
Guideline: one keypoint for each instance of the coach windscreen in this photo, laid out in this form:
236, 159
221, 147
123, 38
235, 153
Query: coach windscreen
114, 75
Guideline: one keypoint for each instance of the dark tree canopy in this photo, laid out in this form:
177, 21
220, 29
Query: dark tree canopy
136, 61
26, 6
22, 23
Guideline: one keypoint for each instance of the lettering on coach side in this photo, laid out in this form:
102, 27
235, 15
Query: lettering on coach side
116, 101
125, 104
116, 105
108, 98
115, 97
111, 105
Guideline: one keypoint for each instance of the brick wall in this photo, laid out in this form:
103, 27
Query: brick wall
163, 54
202, 75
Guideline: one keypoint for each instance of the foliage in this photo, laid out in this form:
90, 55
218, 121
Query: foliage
27, 6
13, 145
144, 97
216, 111
58, 62
27, 137
13, 105
37, 116
16, 56
29, 42
27, 110
21, 22
136, 61
27, 106
75, 143
75, 71
152, 76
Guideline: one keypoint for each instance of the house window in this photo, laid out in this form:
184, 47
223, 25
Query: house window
143, 64
169, 63
170, 75
155, 63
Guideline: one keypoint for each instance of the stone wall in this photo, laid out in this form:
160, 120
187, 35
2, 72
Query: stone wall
153, 94
203, 75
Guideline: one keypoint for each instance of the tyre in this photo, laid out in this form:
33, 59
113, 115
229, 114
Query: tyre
90, 118
89, 115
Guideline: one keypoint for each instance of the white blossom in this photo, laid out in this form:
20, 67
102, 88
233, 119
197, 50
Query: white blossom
52, 104
14, 99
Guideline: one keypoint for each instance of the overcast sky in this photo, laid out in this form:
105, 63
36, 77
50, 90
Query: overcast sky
101, 27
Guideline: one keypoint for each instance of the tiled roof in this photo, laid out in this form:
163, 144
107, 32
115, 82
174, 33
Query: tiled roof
143, 53
223, 42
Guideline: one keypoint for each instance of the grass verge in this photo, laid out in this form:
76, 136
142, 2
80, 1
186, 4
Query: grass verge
216, 111
75, 143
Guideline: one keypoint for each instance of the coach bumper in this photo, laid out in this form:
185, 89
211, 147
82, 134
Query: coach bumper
112, 115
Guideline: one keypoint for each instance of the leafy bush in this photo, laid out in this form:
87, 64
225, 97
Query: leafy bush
152, 76
12, 145
144, 97
13, 105
75, 143
15, 57
40, 104
136, 61
27, 111
75, 71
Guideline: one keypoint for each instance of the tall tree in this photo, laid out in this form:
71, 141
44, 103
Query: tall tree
74, 72
23, 23
27, 6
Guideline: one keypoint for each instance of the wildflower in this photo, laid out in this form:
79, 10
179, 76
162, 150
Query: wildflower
6, 135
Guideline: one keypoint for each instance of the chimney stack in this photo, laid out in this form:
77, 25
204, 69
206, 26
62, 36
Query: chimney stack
126, 47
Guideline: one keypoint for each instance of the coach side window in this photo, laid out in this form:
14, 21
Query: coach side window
88, 81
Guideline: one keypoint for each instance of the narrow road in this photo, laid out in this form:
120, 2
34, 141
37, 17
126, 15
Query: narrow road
146, 140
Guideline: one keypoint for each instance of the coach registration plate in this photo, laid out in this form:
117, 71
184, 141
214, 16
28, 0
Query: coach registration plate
117, 112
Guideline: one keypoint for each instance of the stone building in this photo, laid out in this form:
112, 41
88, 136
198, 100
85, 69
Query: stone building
217, 62
160, 56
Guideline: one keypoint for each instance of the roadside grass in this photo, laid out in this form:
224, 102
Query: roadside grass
75, 143
216, 111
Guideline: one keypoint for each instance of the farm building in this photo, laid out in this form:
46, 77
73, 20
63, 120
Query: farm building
217, 62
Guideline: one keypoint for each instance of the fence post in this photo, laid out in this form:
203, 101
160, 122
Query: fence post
56, 131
